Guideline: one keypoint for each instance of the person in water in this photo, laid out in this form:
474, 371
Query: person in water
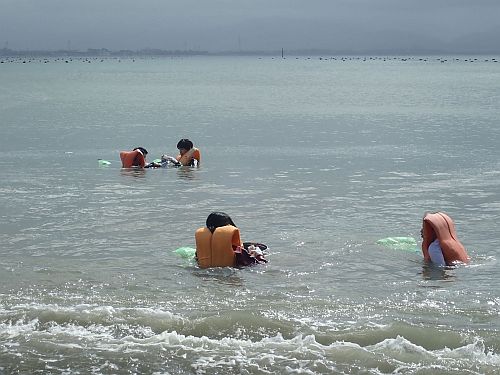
188, 155
440, 244
219, 244
134, 158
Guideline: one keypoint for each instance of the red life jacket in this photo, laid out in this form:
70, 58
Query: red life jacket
132, 159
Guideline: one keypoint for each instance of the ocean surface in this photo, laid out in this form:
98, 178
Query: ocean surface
316, 157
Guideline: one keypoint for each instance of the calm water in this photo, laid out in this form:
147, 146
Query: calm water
316, 158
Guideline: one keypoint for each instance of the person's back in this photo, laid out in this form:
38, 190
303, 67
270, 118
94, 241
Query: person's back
134, 158
215, 243
219, 244
216, 249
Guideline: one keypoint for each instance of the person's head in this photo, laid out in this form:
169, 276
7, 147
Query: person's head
184, 145
218, 219
142, 150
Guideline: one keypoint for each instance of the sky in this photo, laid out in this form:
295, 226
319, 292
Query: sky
250, 25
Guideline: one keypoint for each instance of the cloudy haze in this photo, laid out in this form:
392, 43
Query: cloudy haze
221, 25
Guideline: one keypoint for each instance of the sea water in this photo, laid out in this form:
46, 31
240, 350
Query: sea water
316, 157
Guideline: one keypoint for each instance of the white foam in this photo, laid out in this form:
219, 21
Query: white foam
107, 329
9, 330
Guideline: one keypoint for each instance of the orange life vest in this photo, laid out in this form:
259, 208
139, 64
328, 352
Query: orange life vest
191, 154
439, 225
132, 159
216, 249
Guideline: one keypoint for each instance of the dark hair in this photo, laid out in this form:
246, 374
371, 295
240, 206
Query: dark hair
141, 149
185, 144
218, 219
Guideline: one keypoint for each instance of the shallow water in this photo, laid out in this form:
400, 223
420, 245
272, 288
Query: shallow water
318, 159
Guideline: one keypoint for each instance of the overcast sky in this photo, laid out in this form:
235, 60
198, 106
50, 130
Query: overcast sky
219, 25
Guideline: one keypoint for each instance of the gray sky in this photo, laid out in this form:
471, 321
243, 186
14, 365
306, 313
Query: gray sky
219, 25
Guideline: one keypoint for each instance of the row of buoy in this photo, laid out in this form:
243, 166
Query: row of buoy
402, 59
89, 60
19, 60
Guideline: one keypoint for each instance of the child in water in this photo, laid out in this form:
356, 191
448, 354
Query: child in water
440, 244
134, 158
188, 155
221, 219
237, 254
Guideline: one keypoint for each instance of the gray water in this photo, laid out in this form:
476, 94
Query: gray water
317, 158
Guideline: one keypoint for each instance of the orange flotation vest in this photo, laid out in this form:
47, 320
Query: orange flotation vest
191, 154
439, 225
216, 249
132, 159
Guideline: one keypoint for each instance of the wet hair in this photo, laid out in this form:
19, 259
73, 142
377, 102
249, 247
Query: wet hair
185, 143
141, 149
218, 219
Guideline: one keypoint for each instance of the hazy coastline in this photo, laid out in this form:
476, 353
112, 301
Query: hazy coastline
104, 52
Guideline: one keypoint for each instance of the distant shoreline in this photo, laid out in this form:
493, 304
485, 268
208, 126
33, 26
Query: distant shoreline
6, 52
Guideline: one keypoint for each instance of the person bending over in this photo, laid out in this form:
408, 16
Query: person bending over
219, 244
440, 244
134, 158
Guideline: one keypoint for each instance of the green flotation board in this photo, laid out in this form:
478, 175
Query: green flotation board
185, 252
103, 162
399, 243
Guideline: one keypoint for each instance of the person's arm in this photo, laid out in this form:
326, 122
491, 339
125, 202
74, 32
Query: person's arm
425, 246
174, 161
170, 159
